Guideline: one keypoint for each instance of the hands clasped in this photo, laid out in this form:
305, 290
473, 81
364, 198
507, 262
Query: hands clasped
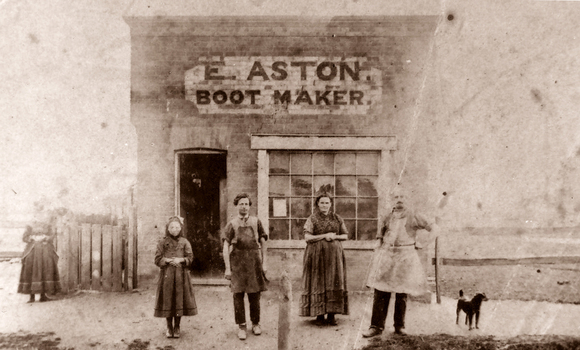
330, 236
174, 261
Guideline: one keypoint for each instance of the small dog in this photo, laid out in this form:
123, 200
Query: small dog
470, 307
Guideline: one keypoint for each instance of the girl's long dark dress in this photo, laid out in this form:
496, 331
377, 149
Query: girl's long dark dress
174, 293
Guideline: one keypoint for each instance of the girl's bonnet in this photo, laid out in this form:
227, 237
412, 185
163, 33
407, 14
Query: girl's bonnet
178, 219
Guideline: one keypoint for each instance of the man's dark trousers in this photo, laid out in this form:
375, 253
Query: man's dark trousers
240, 310
381, 306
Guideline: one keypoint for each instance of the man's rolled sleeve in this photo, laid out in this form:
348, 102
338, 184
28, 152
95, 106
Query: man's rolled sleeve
228, 233
261, 232
384, 228
423, 223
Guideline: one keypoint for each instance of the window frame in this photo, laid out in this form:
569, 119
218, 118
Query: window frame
385, 145
358, 173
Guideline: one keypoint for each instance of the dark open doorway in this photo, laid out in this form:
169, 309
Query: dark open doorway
202, 180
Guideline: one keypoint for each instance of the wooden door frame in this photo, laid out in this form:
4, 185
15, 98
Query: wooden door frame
223, 182
223, 201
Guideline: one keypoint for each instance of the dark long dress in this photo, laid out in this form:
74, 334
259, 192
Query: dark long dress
174, 292
39, 272
324, 272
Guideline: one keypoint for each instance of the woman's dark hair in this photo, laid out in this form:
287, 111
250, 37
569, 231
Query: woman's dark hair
321, 195
174, 219
242, 196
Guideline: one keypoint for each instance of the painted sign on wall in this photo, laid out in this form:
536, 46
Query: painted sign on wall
300, 85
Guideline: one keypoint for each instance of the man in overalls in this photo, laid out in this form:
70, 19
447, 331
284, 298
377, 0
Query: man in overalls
244, 251
396, 267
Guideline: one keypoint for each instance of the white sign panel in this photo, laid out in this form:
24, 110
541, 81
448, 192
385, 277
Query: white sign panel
300, 85
279, 207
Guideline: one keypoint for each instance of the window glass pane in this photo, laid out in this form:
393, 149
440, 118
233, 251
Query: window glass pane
367, 230
296, 177
279, 163
301, 185
278, 209
279, 228
351, 227
301, 163
301, 207
279, 186
323, 163
367, 186
345, 186
345, 163
345, 207
367, 207
298, 228
324, 183
367, 163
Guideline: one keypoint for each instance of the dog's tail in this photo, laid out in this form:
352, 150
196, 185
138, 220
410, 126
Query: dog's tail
461, 293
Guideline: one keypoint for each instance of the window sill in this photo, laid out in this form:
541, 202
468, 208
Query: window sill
301, 244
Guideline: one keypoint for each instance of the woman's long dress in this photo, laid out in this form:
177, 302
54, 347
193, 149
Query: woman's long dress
39, 272
324, 272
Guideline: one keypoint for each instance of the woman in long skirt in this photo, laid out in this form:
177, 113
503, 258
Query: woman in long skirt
39, 274
324, 273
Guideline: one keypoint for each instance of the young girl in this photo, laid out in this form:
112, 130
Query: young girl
39, 273
174, 294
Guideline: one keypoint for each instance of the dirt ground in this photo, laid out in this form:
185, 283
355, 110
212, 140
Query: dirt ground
88, 320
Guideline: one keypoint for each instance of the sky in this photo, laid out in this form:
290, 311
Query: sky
65, 97
64, 104
503, 82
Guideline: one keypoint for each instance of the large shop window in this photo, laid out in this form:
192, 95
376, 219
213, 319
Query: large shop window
295, 178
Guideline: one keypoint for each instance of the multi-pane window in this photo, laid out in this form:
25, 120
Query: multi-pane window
295, 178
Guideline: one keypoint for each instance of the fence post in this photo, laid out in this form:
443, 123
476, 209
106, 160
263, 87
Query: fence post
107, 257
437, 282
135, 248
74, 256
129, 252
62, 238
117, 259
96, 257
86, 256
284, 313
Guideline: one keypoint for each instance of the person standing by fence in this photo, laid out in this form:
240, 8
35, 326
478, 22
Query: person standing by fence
396, 267
174, 293
39, 274
243, 237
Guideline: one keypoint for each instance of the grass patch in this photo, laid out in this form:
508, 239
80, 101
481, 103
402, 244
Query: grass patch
30, 341
449, 342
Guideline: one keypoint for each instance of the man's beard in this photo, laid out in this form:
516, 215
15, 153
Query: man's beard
399, 206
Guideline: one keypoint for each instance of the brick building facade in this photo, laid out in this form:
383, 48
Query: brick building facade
278, 107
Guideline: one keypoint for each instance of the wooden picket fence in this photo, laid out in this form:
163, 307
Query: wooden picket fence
99, 256
537, 260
